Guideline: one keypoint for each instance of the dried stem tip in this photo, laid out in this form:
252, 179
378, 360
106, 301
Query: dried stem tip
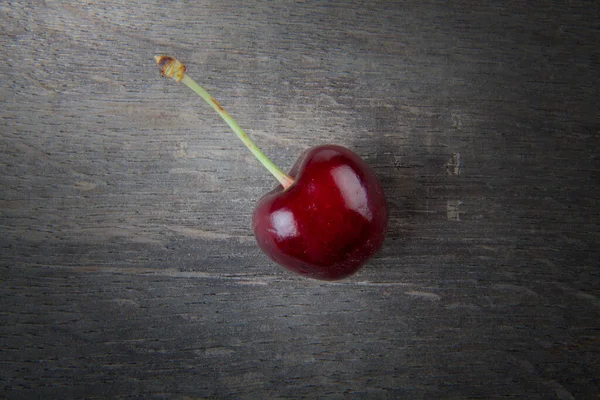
170, 67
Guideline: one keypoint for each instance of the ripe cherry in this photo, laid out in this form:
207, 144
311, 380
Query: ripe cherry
330, 221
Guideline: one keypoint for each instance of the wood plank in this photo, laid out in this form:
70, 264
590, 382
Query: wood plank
129, 268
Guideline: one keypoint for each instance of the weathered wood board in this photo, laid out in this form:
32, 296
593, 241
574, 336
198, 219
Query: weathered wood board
128, 263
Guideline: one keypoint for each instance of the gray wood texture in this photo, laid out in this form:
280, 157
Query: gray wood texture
128, 265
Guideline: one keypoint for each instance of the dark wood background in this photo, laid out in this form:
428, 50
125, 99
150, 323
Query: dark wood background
129, 268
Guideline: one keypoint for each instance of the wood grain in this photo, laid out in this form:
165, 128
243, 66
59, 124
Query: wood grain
129, 269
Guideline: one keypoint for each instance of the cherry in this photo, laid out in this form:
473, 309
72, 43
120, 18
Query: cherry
330, 221
327, 217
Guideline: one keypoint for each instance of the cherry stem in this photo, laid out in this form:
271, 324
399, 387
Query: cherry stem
172, 68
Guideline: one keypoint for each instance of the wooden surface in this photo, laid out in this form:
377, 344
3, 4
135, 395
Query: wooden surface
129, 269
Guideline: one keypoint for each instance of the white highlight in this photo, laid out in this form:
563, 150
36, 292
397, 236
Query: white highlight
284, 223
353, 192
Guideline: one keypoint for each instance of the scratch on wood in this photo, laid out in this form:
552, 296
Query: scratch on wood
423, 295
366, 283
253, 282
453, 210
456, 121
561, 392
185, 171
581, 295
84, 186
202, 234
242, 279
126, 303
105, 80
508, 288
183, 150
453, 166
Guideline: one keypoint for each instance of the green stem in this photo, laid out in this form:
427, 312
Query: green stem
284, 179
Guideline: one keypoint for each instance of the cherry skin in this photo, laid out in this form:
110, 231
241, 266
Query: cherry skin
330, 221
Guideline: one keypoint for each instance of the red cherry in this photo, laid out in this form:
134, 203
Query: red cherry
330, 221
327, 217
